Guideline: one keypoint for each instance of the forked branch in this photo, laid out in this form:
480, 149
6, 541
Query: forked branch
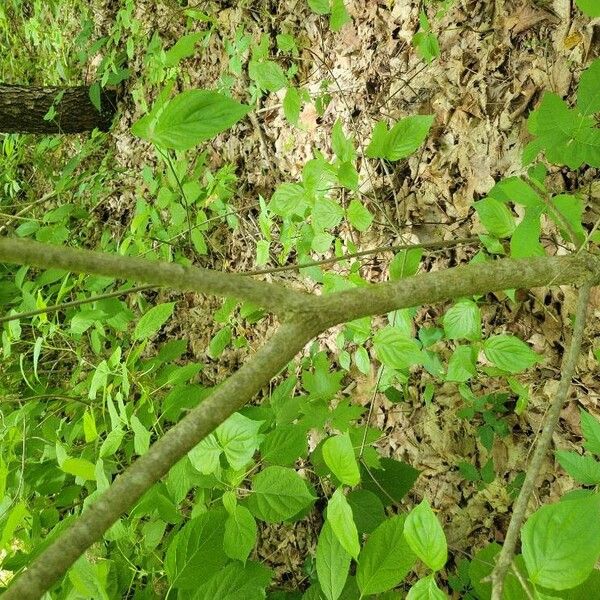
304, 317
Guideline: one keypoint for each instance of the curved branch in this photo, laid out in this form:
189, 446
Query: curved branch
275, 297
128, 487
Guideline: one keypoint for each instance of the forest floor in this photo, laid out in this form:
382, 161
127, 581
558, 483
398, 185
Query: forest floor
491, 73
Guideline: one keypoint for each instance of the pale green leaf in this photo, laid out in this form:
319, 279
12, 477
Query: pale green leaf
153, 320
583, 469
496, 217
590, 426
80, 467
339, 516
426, 589
359, 216
463, 321
333, 563
425, 536
396, 350
338, 454
278, 494
509, 353
240, 533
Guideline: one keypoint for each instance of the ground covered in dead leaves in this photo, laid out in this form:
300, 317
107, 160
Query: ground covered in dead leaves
491, 73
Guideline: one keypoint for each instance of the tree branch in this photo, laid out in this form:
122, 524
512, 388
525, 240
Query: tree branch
310, 316
275, 297
507, 553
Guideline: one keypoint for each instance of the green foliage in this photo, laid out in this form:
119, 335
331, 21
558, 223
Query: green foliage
98, 383
401, 140
188, 119
568, 135
385, 559
588, 7
561, 542
425, 536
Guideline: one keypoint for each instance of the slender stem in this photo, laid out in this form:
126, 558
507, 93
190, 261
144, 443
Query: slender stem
378, 250
65, 305
507, 553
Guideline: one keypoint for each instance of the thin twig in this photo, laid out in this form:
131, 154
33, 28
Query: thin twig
64, 305
507, 553
379, 249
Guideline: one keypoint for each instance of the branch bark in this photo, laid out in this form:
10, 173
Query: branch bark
305, 316
277, 298
507, 553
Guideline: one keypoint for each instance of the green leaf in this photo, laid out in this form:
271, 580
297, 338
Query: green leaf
362, 360
219, 342
239, 439
278, 494
495, 217
339, 15
561, 542
367, 510
426, 589
402, 140
141, 436
425, 536
589, 7
183, 48
392, 481
285, 445
525, 240
80, 467
193, 117
566, 136
377, 146
339, 516
326, 213
196, 551
333, 563
427, 45
584, 469
396, 350
591, 432
571, 210
386, 558
239, 537
463, 320
461, 366
234, 582
342, 146
269, 76
405, 263
205, 455
321, 7
509, 353
288, 200
588, 98
481, 568
291, 105
514, 189
359, 216
338, 454
153, 320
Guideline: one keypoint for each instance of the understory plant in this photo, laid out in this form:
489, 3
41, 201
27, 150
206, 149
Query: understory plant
123, 475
